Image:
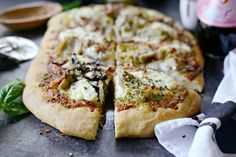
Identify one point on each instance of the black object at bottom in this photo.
(222, 111)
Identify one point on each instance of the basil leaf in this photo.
(11, 91)
(4, 91)
(15, 108)
(1, 104)
(11, 100)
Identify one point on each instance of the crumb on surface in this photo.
(61, 134)
(70, 154)
(47, 130)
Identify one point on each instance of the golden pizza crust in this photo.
(140, 122)
(200, 78)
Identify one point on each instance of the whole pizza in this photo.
(151, 65)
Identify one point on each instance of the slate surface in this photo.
(21, 136)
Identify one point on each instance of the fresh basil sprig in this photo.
(11, 98)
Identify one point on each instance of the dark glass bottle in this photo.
(217, 28)
(216, 42)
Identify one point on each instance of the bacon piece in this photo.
(84, 104)
(54, 84)
(121, 106)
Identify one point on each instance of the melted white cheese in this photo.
(82, 34)
(168, 65)
(84, 59)
(179, 46)
(91, 51)
(163, 27)
(82, 90)
(159, 79)
(155, 32)
(120, 90)
(83, 12)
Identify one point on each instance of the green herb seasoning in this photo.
(150, 94)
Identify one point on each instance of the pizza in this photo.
(150, 63)
(144, 98)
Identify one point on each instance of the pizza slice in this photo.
(68, 96)
(134, 24)
(64, 88)
(89, 32)
(144, 98)
(174, 58)
(149, 26)
(89, 44)
(94, 19)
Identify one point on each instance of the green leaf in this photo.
(71, 5)
(1, 104)
(11, 98)
(11, 91)
(15, 108)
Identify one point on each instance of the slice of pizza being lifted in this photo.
(144, 98)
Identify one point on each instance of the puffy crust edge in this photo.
(140, 122)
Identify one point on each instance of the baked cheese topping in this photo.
(174, 58)
(79, 82)
(81, 34)
(155, 33)
(149, 89)
(100, 37)
(177, 46)
(134, 54)
(82, 90)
